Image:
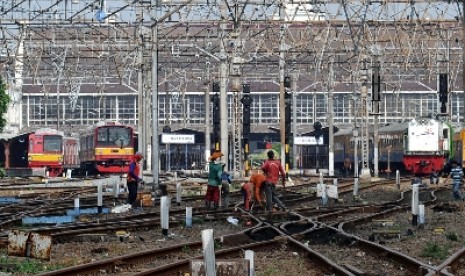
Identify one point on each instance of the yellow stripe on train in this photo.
(114, 151)
(41, 157)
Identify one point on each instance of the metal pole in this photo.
(207, 121)
(330, 122)
(140, 88)
(463, 56)
(294, 119)
(355, 134)
(282, 90)
(155, 160)
(375, 108)
(224, 100)
(376, 141)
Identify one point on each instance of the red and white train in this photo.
(426, 145)
(418, 146)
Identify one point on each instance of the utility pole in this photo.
(207, 119)
(463, 56)
(364, 116)
(330, 120)
(282, 90)
(375, 99)
(140, 90)
(154, 148)
(224, 99)
(294, 119)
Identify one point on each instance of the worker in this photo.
(215, 172)
(273, 171)
(134, 178)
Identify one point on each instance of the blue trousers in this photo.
(456, 191)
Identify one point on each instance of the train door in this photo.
(405, 143)
(18, 151)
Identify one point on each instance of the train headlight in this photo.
(29, 158)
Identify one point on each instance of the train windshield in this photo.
(114, 136)
(53, 143)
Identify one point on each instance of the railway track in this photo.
(310, 232)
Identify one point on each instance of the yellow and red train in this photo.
(42, 148)
(106, 148)
(102, 149)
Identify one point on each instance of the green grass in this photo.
(186, 249)
(270, 271)
(25, 265)
(197, 220)
(435, 251)
(452, 236)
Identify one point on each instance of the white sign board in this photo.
(331, 191)
(177, 138)
(308, 140)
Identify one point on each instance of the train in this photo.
(427, 145)
(390, 148)
(106, 148)
(418, 146)
(42, 148)
(71, 153)
(458, 147)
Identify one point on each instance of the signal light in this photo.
(443, 88)
(216, 87)
(287, 82)
(376, 85)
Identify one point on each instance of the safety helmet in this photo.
(138, 155)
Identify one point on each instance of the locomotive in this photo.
(106, 148)
(426, 145)
(417, 146)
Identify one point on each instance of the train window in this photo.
(114, 136)
(53, 143)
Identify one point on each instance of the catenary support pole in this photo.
(224, 100)
(330, 121)
(282, 89)
(154, 147)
